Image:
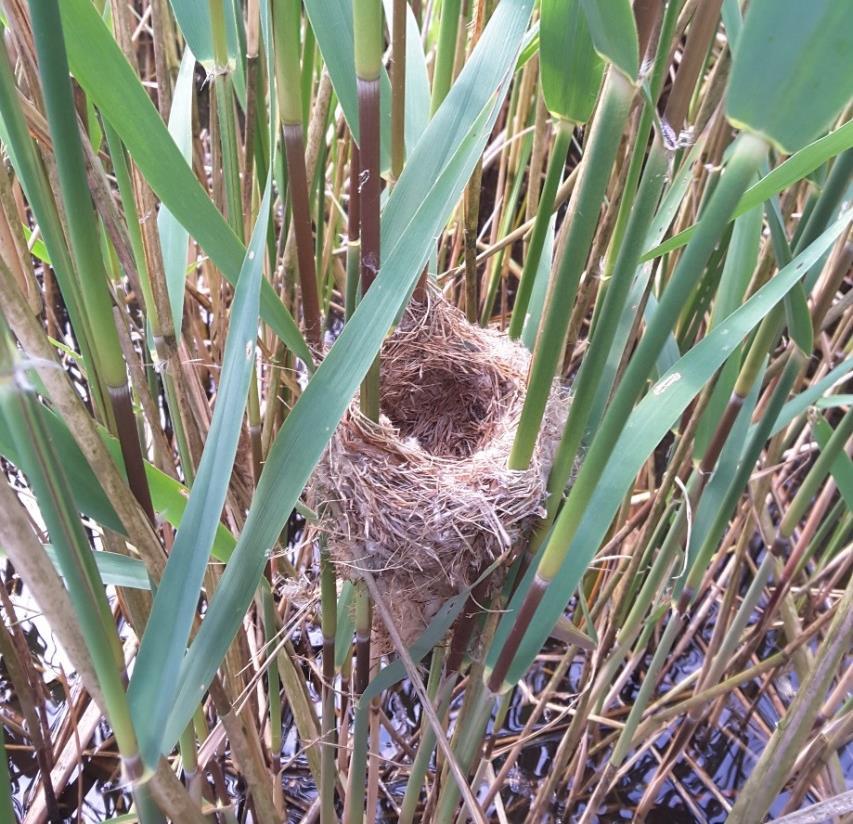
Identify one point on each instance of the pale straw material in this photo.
(423, 499)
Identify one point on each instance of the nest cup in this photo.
(423, 498)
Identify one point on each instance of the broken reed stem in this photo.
(445, 52)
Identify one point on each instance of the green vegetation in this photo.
(217, 222)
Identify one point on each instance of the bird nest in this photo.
(423, 498)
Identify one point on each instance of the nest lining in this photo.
(423, 498)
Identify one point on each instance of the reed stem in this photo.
(596, 167)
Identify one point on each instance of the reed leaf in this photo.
(570, 68)
(114, 569)
(162, 649)
(784, 79)
(614, 33)
(174, 237)
(842, 466)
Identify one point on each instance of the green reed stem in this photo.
(596, 166)
(147, 811)
(353, 262)
(647, 688)
(223, 91)
(83, 231)
(273, 677)
(79, 210)
(466, 744)
(7, 812)
(426, 745)
(358, 766)
(189, 761)
(472, 216)
(635, 166)
(128, 202)
(803, 498)
(556, 164)
(307, 77)
(586, 383)
(753, 449)
(747, 154)
(445, 52)
(368, 63)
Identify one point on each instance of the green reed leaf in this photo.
(791, 69)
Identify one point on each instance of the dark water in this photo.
(94, 790)
(726, 754)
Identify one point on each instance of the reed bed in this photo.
(425, 411)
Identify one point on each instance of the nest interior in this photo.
(423, 498)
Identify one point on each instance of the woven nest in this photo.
(423, 498)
